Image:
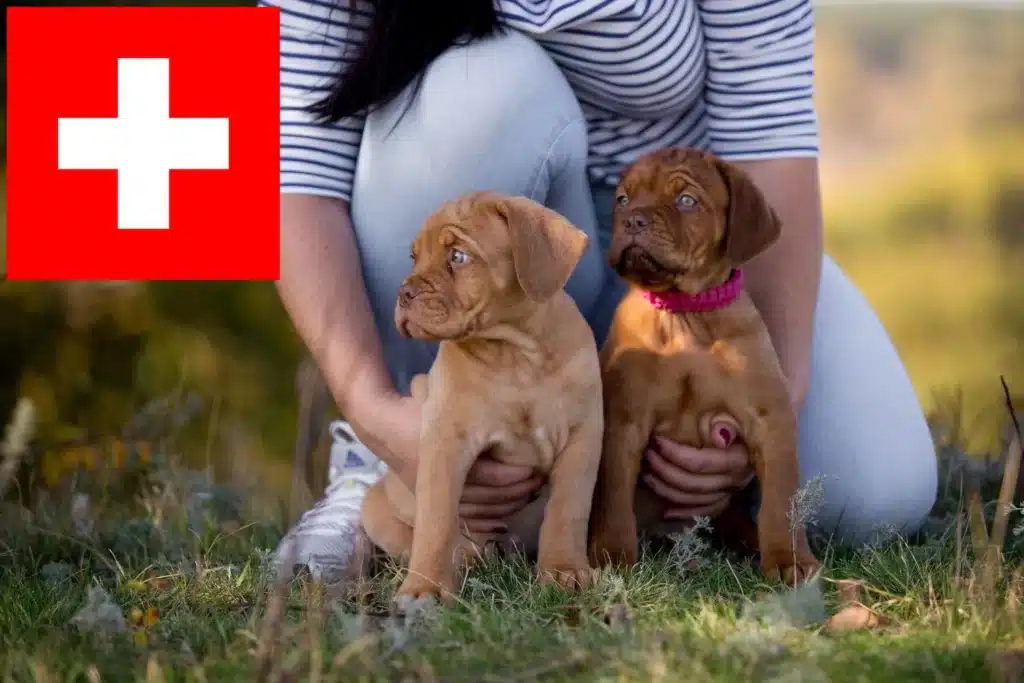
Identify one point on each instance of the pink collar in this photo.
(708, 300)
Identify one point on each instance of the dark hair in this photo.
(403, 38)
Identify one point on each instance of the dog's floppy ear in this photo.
(751, 224)
(545, 246)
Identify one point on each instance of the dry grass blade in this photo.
(266, 651)
(976, 516)
(313, 403)
(154, 672)
(15, 444)
(315, 608)
(849, 590)
(277, 603)
(997, 538)
(313, 399)
(1010, 474)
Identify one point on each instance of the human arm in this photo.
(761, 117)
(321, 284)
(783, 281)
(322, 290)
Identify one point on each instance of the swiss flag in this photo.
(143, 143)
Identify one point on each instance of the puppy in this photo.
(517, 377)
(688, 356)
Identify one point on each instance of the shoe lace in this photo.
(342, 476)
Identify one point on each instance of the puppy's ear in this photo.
(751, 224)
(545, 246)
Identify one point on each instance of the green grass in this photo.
(673, 618)
(188, 594)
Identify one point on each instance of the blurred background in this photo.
(922, 114)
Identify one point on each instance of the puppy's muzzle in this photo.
(407, 293)
(635, 224)
(636, 260)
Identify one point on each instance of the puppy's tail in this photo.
(720, 430)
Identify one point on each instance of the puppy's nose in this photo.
(407, 292)
(636, 223)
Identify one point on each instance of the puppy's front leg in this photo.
(613, 525)
(785, 552)
(441, 475)
(562, 550)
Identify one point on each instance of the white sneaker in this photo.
(323, 540)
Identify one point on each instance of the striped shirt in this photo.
(732, 76)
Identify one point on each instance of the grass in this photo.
(713, 620)
(178, 585)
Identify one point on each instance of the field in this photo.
(166, 598)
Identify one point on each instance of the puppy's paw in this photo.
(568, 575)
(417, 589)
(612, 553)
(792, 568)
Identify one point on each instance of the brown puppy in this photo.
(517, 378)
(688, 353)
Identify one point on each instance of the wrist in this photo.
(798, 383)
(364, 404)
(357, 384)
(371, 408)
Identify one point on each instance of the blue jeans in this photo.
(499, 115)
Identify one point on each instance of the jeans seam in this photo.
(535, 181)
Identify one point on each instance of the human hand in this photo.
(698, 482)
(493, 492)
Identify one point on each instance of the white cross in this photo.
(142, 144)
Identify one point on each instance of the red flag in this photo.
(143, 143)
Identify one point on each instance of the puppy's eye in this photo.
(622, 200)
(686, 202)
(457, 257)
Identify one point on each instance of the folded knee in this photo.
(896, 496)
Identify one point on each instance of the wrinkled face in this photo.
(482, 260)
(670, 222)
(458, 258)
